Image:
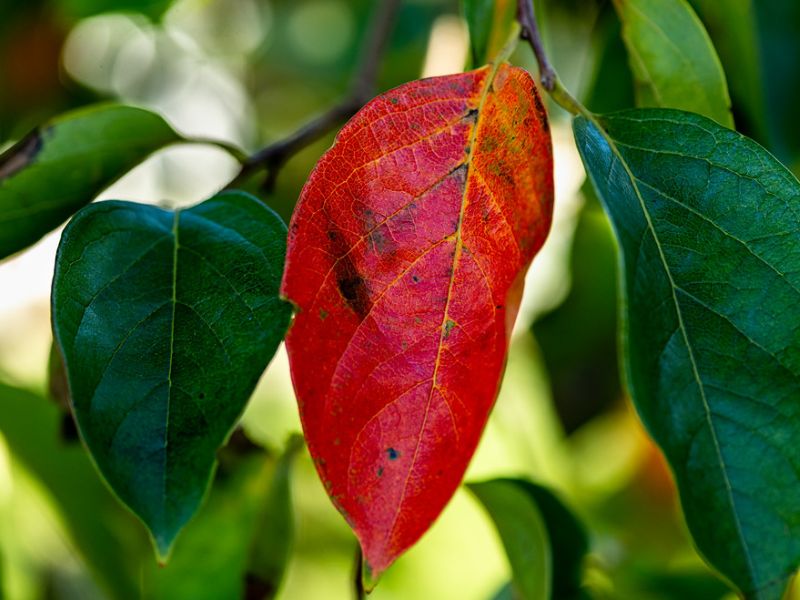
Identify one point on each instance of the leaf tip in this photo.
(369, 577)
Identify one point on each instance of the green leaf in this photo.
(63, 165)
(210, 559)
(272, 543)
(733, 26)
(490, 23)
(81, 9)
(544, 542)
(779, 48)
(708, 225)
(101, 530)
(165, 321)
(673, 61)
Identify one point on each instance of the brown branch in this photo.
(529, 31)
(273, 157)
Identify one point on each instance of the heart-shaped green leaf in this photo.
(709, 227)
(165, 321)
(63, 165)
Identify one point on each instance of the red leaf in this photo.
(406, 259)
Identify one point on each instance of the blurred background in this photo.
(251, 71)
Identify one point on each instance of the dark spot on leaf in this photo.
(415, 279)
(392, 453)
(472, 115)
(332, 235)
(380, 471)
(394, 100)
(499, 307)
(352, 286)
(202, 395)
(337, 442)
(21, 154)
(323, 314)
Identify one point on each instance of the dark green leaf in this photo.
(708, 225)
(274, 535)
(672, 58)
(490, 23)
(166, 321)
(578, 339)
(611, 86)
(544, 542)
(779, 48)
(80, 9)
(58, 168)
(733, 28)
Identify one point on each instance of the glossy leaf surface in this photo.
(708, 226)
(490, 23)
(63, 165)
(673, 60)
(406, 260)
(544, 542)
(166, 321)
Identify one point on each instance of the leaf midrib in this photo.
(174, 300)
(459, 244)
(682, 328)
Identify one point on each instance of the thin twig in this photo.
(273, 157)
(358, 582)
(549, 78)
(526, 15)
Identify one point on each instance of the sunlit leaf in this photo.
(165, 321)
(708, 226)
(406, 259)
(672, 58)
(59, 167)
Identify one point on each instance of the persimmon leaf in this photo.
(406, 260)
(707, 222)
(165, 321)
(672, 58)
(63, 165)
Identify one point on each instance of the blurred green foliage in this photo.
(250, 72)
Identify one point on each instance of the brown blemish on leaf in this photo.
(448, 327)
